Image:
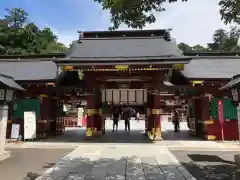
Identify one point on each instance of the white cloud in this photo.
(192, 22)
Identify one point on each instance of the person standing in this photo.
(115, 119)
(127, 123)
(138, 116)
(126, 114)
(176, 120)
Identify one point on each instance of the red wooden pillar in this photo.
(91, 111)
(156, 115)
(149, 120)
(94, 114)
(98, 116)
(209, 127)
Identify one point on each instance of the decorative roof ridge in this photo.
(121, 38)
(213, 57)
(141, 34)
(27, 60)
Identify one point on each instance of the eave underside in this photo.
(85, 61)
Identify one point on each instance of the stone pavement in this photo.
(28, 164)
(118, 163)
(119, 156)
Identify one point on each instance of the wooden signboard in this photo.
(29, 125)
(15, 131)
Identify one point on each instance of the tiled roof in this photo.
(212, 68)
(197, 68)
(9, 81)
(36, 70)
(233, 83)
(124, 47)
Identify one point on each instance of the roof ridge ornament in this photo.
(167, 35)
(81, 36)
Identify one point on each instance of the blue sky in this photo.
(193, 22)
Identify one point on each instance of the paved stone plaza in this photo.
(121, 155)
(121, 161)
(118, 163)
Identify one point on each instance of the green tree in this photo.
(220, 38)
(199, 48)
(185, 47)
(19, 36)
(133, 13)
(138, 13)
(225, 41)
(2, 49)
(191, 49)
(16, 17)
(230, 11)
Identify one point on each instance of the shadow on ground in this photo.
(31, 160)
(77, 135)
(108, 168)
(210, 167)
(121, 169)
(183, 135)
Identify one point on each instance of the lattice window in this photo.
(235, 94)
(116, 96)
(124, 96)
(9, 95)
(131, 96)
(140, 96)
(109, 95)
(2, 94)
(103, 95)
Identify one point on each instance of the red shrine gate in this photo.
(121, 69)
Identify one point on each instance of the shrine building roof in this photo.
(197, 68)
(212, 67)
(29, 70)
(9, 82)
(116, 46)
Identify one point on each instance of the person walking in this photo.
(115, 119)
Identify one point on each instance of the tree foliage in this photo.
(223, 41)
(230, 11)
(133, 13)
(20, 36)
(138, 13)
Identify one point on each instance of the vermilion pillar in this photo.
(94, 114)
(91, 111)
(149, 120)
(156, 115)
(98, 116)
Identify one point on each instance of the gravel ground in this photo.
(27, 164)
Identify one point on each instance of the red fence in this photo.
(72, 121)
